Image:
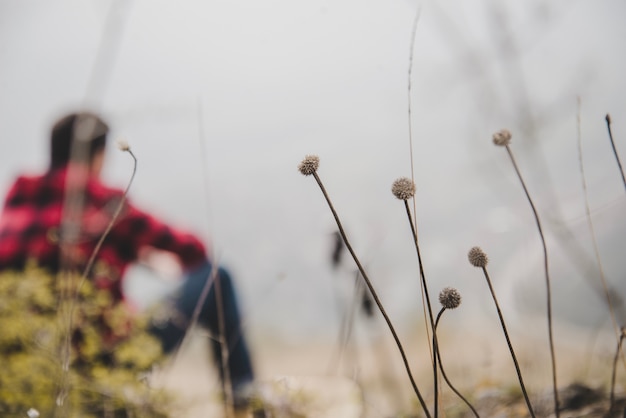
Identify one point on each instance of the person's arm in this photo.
(138, 232)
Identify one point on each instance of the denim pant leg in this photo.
(172, 332)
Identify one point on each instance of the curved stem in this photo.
(619, 163)
(435, 352)
(548, 289)
(508, 341)
(443, 373)
(65, 354)
(374, 295)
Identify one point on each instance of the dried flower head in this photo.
(450, 298)
(309, 165)
(477, 257)
(502, 137)
(608, 118)
(122, 144)
(403, 188)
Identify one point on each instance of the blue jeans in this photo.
(172, 331)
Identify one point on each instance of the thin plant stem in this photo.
(443, 373)
(508, 341)
(591, 227)
(425, 295)
(213, 280)
(548, 287)
(421, 267)
(228, 392)
(374, 295)
(614, 373)
(219, 301)
(418, 14)
(619, 163)
(66, 350)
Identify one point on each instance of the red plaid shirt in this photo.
(30, 224)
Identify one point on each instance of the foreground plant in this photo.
(503, 138)
(68, 305)
(478, 258)
(308, 167)
(404, 189)
(450, 298)
(109, 358)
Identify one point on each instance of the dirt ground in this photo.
(305, 378)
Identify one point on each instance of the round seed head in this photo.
(450, 298)
(309, 165)
(403, 188)
(122, 144)
(477, 257)
(502, 138)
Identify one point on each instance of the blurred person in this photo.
(33, 222)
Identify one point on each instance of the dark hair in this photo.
(84, 130)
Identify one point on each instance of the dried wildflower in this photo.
(502, 138)
(477, 257)
(309, 165)
(450, 298)
(403, 188)
(122, 144)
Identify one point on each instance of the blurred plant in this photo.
(308, 167)
(613, 375)
(479, 259)
(450, 298)
(109, 355)
(619, 163)
(72, 285)
(503, 138)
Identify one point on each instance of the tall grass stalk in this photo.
(449, 300)
(503, 138)
(228, 393)
(418, 14)
(478, 258)
(619, 163)
(592, 231)
(309, 167)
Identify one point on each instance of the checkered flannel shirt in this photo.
(30, 230)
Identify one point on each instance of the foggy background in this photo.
(220, 101)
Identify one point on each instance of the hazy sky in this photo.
(220, 100)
